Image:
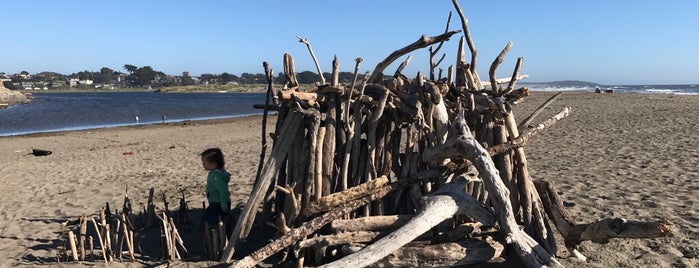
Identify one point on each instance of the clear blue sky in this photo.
(609, 42)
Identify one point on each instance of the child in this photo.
(216, 186)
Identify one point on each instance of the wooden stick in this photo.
(83, 232)
(308, 45)
(99, 237)
(515, 77)
(528, 134)
(176, 236)
(467, 34)
(91, 246)
(543, 106)
(73, 248)
(493, 81)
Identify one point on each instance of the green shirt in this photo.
(217, 186)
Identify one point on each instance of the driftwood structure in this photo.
(387, 171)
(400, 171)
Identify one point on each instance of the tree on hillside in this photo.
(228, 78)
(130, 68)
(107, 75)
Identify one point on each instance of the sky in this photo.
(608, 42)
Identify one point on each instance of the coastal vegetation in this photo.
(145, 78)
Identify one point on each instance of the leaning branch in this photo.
(423, 42)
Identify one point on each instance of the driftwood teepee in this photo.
(430, 170)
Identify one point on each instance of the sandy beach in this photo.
(633, 156)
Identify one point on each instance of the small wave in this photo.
(661, 91)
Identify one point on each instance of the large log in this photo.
(443, 204)
(334, 200)
(599, 231)
(450, 254)
(372, 223)
(462, 144)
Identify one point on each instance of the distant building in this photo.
(185, 73)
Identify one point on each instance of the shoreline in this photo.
(617, 155)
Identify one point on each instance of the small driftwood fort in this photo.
(397, 171)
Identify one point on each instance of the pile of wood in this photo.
(426, 171)
(115, 233)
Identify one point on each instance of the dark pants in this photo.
(214, 212)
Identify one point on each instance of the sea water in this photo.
(688, 89)
(50, 112)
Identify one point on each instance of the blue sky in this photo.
(608, 42)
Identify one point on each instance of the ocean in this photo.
(50, 112)
(688, 89)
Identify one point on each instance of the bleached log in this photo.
(504, 80)
(450, 254)
(462, 144)
(371, 223)
(309, 97)
(599, 231)
(443, 204)
(338, 239)
(334, 200)
(306, 229)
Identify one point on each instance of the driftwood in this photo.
(450, 254)
(371, 223)
(331, 201)
(423, 42)
(306, 229)
(462, 144)
(445, 203)
(599, 231)
(272, 165)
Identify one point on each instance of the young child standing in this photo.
(217, 192)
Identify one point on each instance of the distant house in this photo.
(73, 82)
(86, 82)
(58, 83)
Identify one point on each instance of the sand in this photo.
(617, 155)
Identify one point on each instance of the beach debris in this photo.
(41, 152)
(129, 153)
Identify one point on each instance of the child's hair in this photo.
(214, 155)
